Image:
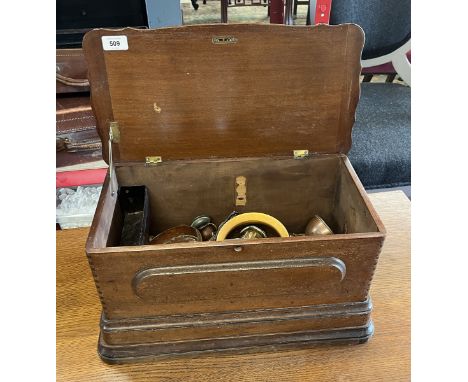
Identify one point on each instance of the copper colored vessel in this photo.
(179, 234)
(208, 231)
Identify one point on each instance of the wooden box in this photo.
(185, 112)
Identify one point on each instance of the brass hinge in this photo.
(151, 161)
(300, 154)
(114, 132)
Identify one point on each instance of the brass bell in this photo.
(317, 226)
(252, 232)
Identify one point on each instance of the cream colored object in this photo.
(251, 218)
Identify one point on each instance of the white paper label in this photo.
(114, 42)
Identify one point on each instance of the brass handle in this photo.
(71, 81)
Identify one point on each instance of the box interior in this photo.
(291, 190)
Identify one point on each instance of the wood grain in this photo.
(386, 357)
(281, 187)
(291, 190)
(176, 94)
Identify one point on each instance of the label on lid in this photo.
(114, 42)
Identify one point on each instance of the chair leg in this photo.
(288, 18)
(367, 77)
(224, 11)
(403, 67)
(390, 77)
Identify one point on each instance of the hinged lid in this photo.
(212, 91)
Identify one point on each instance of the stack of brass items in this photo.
(247, 226)
(203, 224)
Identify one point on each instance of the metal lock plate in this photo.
(151, 161)
(300, 154)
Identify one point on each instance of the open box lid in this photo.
(224, 91)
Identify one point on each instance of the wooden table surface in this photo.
(386, 357)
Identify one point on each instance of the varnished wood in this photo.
(245, 289)
(305, 102)
(235, 326)
(176, 94)
(292, 190)
(386, 357)
(106, 217)
(247, 277)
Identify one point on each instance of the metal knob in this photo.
(200, 221)
(179, 234)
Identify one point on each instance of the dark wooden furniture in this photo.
(386, 357)
(76, 17)
(189, 297)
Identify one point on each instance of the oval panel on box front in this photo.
(229, 281)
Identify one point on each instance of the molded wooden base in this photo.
(147, 352)
(126, 341)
